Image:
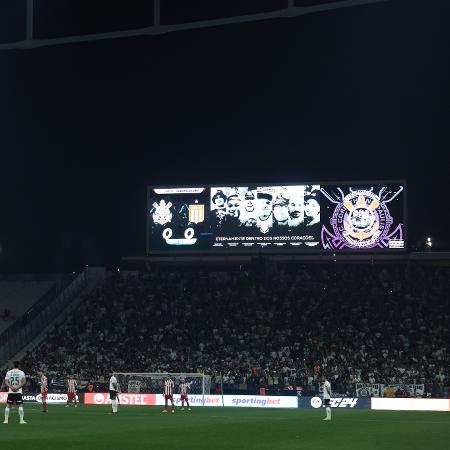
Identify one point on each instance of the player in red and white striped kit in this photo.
(168, 392)
(71, 390)
(44, 390)
(184, 390)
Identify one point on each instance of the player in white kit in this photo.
(15, 379)
(113, 391)
(326, 396)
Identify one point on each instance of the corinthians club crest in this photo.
(162, 214)
(362, 222)
(361, 219)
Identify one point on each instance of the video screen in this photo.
(311, 217)
(253, 216)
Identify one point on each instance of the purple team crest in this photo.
(361, 220)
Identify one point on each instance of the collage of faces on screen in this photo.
(269, 208)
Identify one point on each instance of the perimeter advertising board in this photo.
(335, 402)
(37, 398)
(240, 401)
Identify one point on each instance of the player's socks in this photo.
(328, 412)
(6, 414)
(114, 405)
(21, 414)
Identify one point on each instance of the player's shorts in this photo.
(168, 397)
(14, 399)
(44, 395)
(326, 402)
(184, 397)
(112, 395)
(71, 395)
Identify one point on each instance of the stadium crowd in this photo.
(362, 323)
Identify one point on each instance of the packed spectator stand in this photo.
(262, 328)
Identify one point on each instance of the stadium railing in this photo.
(39, 315)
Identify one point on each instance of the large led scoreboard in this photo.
(358, 217)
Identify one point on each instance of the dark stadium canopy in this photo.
(349, 93)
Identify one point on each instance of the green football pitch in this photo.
(135, 428)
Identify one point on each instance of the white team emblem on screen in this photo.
(162, 214)
(188, 239)
(196, 213)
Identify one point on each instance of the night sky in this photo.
(351, 94)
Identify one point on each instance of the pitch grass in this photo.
(135, 428)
